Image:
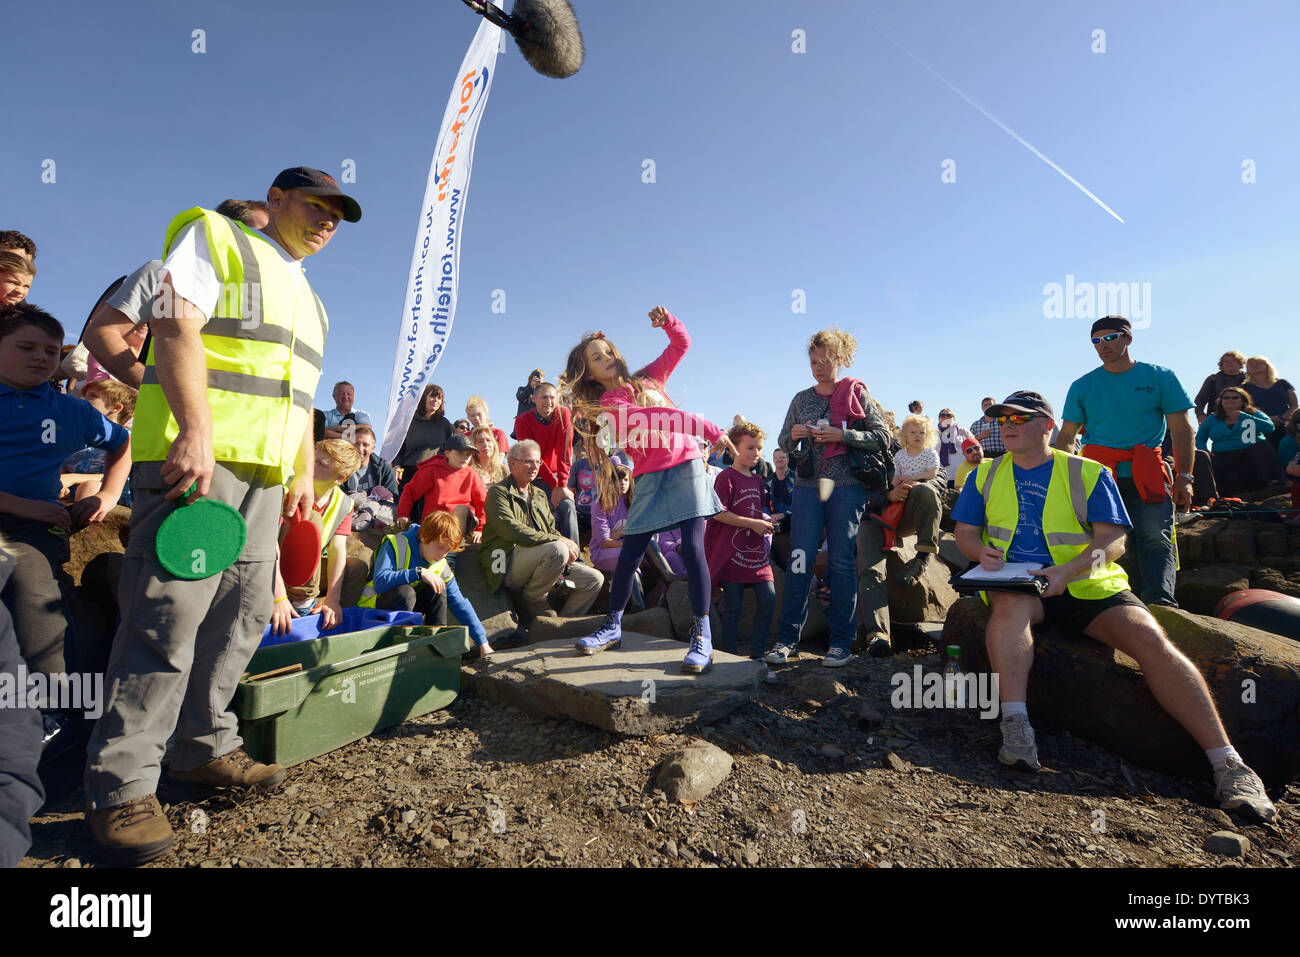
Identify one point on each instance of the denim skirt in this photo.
(665, 499)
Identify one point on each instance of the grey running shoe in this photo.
(837, 658)
(1018, 749)
(1237, 787)
(779, 654)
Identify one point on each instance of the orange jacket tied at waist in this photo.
(1150, 474)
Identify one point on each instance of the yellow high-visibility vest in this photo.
(1065, 516)
(401, 546)
(263, 348)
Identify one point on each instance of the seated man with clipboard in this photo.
(1036, 504)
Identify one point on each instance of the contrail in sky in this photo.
(1012, 133)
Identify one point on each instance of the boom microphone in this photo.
(546, 32)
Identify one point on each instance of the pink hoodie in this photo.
(657, 438)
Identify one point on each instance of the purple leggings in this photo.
(692, 552)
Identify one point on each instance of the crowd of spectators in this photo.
(843, 487)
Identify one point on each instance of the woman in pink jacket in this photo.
(614, 407)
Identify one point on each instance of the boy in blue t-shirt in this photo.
(42, 428)
(1117, 619)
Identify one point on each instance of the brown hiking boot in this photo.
(233, 770)
(127, 835)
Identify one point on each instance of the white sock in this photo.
(1219, 756)
(1010, 708)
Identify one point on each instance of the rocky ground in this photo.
(826, 773)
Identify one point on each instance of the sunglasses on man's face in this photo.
(1018, 419)
(1111, 337)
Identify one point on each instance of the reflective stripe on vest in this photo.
(402, 553)
(263, 348)
(1065, 517)
(334, 513)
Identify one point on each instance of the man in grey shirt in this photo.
(109, 332)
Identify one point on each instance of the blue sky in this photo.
(775, 171)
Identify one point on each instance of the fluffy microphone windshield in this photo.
(548, 36)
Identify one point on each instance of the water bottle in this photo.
(954, 686)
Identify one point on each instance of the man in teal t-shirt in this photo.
(1124, 407)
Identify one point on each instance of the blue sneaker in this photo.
(608, 635)
(700, 658)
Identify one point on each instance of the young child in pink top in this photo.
(614, 407)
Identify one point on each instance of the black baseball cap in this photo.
(1114, 323)
(1026, 403)
(316, 183)
(457, 443)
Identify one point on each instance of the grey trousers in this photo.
(534, 570)
(38, 594)
(182, 645)
(920, 517)
(21, 792)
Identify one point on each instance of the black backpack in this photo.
(874, 468)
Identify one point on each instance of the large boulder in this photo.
(1196, 540)
(492, 608)
(638, 689)
(1199, 590)
(1288, 583)
(688, 774)
(927, 600)
(1099, 694)
(1236, 542)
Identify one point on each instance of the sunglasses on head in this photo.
(1109, 337)
(1017, 419)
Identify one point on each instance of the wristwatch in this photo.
(1187, 475)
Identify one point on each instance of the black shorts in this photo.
(1076, 614)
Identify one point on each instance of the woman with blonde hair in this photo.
(1274, 397)
(488, 461)
(476, 411)
(821, 424)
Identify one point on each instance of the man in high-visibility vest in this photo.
(225, 406)
(1037, 504)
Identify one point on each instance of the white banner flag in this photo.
(435, 262)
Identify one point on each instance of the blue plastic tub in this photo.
(308, 627)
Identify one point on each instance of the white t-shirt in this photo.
(907, 464)
(193, 276)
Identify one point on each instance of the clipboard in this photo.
(1012, 578)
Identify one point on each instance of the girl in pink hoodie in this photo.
(614, 407)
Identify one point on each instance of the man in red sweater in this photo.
(550, 425)
(445, 483)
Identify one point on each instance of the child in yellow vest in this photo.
(411, 573)
(336, 460)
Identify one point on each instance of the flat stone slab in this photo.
(638, 689)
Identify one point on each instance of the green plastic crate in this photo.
(351, 686)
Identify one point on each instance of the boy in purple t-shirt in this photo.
(738, 542)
